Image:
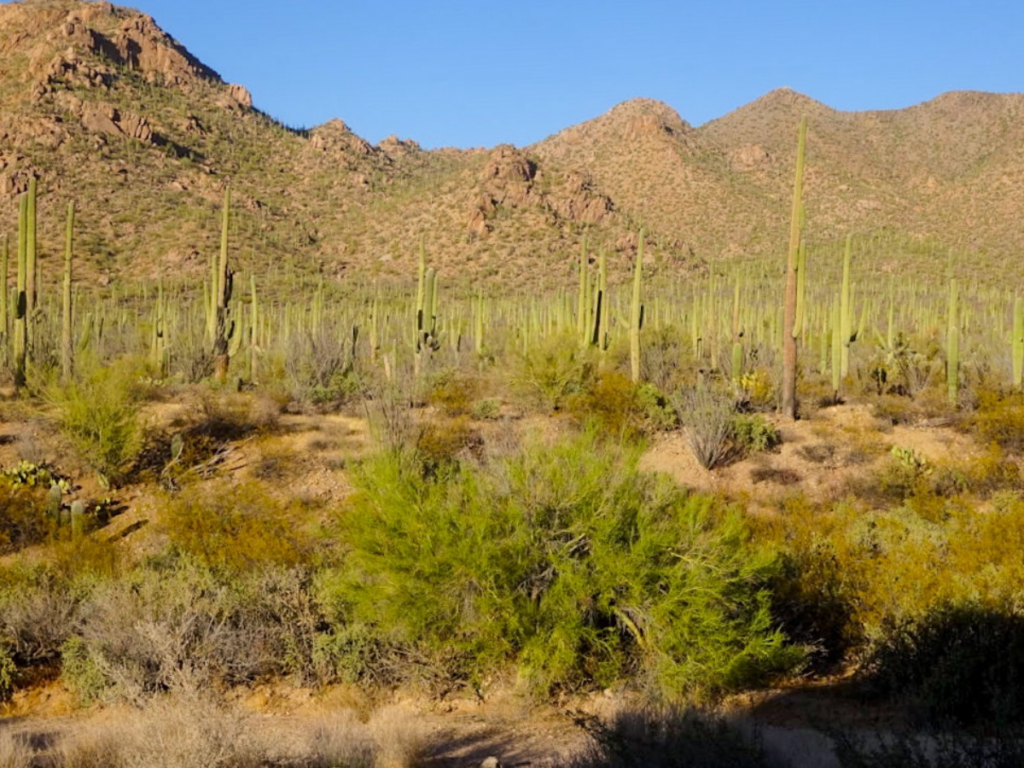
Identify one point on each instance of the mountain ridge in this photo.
(105, 108)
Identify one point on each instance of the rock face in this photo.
(139, 44)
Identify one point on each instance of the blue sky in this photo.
(459, 73)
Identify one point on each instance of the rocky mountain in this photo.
(103, 107)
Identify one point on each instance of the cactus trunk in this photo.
(789, 312)
(66, 347)
(636, 313)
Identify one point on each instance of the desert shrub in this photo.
(645, 737)
(956, 664)
(758, 389)
(566, 561)
(22, 518)
(454, 394)
(237, 527)
(999, 419)
(191, 357)
(621, 407)
(752, 433)
(8, 671)
(441, 445)
(175, 625)
(320, 369)
(716, 432)
(37, 614)
(170, 732)
(815, 593)
(708, 418)
(551, 371)
(99, 414)
(486, 409)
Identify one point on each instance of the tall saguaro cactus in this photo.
(222, 296)
(66, 345)
(846, 311)
(1017, 342)
(20, 304)
(790, 301)
(30, 266)
(5, 324)
(636, 312)
(953, 342)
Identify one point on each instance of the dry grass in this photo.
(14, 752)
(195, 732)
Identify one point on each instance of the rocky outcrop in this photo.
(506, 180)
(103, 118)
(579, 201)
(335, 137)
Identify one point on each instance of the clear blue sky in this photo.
(459, 73)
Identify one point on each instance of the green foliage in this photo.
(99, 414)
(752, 433)
(566, 562)
(236, 527)
(8, 672)
(81, 673)
(999, 419)
(621, 407)
(454, 394)
(22, 518)
(551, 371)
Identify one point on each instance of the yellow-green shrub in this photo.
(236, 526)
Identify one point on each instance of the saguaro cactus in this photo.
(222, 295)
(66, 344)
(20, 304)
(789, 304)
(5, 323)
(846, 311)
(1017, 342)
(30, 267)
(953, 343)
(636, 312)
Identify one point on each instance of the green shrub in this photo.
(999, 419)
(22, 519)
(551, 371)
(99, 414)
(752, 433)
(237, 527)
(565, 561)
(8, 671)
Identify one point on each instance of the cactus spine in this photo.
(66, 346)
(790, 300)
(636, 314)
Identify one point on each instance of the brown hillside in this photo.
(106, 109)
